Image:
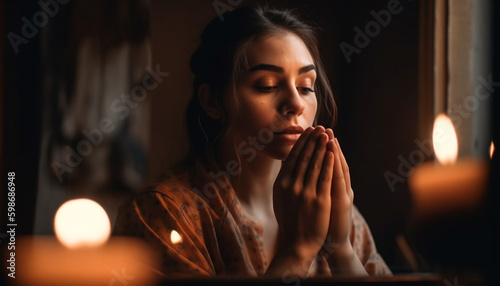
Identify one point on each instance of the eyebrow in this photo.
(273, 68)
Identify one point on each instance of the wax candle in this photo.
(83, 254)
(448, 186)
(446, 224)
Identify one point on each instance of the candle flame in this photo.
(492, 149)
(444, 139)
(175, 237)
(81, 222)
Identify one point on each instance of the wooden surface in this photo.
(423, 279)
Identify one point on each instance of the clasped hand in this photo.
(313, 196)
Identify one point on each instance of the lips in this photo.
(291, 130)
(290, 134)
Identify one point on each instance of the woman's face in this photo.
(276, 99)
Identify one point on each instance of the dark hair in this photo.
(221, 60)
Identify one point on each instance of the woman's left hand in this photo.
(342, 197)
(340, 254)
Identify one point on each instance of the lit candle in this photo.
(73, 229)
(492, 149)
(448, 186)
(175, 237)
(84, 255)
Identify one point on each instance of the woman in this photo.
(263, 192)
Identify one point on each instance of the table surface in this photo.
(413, 279)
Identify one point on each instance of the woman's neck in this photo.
(254, 183)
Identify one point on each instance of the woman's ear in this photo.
(209, 103)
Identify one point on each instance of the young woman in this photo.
(266, 189)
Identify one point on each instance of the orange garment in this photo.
(219, 237)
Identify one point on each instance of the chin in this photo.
(279, 153)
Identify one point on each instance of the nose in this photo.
(292, 103)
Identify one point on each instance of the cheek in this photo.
(312, 109)
(252, 114)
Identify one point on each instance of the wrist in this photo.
(290, 262)
(340, 255)
(297, 252)
(344, 260)
(339, 252)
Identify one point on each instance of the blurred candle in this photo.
(73, 229)
(444, 140)
(84, 255)
(175, 237)
(448, 186)
(492, 149)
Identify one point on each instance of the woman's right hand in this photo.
(302, 198)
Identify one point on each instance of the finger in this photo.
(339, 184)
(330, 146)
(325, 178)
(345, 169)
(316, 163)
(291, 161)
(305, 156)
(331, 136)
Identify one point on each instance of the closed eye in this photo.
(266, 89)
(305, 90)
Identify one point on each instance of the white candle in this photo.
(81, 223)
(84, 255)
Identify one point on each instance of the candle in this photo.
(83, 254)
(175, 237)
(448, 186)
(446, 225)
(492, 149)
(73, 229)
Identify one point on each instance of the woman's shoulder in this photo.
(186, 193)
(177, 186)
(172, 199)
(184, 185)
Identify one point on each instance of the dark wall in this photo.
(378, 100)
(21, 116)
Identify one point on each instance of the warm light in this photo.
(81, 222)
(175, 237)
(492, 149)
(444, 139)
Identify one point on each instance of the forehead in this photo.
(284, 50)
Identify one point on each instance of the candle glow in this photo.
(492, 149)
(175, 237)
(444, 140)
(81, 222)
(451, 187)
